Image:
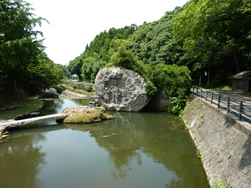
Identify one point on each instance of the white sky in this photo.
(75, 23)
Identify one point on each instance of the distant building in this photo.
(241, 82)
(74, 77)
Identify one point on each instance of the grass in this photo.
(23, 106)
(220, 184)
(224, 88)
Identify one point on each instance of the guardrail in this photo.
(237, 107)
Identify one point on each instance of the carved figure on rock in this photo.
(121, 89)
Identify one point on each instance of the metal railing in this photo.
(235, 105)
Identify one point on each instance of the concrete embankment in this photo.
(224, 147)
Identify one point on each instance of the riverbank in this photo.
(225, 150)
(72, 94)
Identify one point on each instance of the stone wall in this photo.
(225, 150)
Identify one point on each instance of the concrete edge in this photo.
(243, 126)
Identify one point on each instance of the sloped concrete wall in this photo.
(225, 149)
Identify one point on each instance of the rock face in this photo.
(121, 89)
(161, 102)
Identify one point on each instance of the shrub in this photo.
(59, 88)
(75, 86)
(150, 89)
(174, 80)
(220, 184)
(88, 88)
(125, 58)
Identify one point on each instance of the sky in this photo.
(75, 23)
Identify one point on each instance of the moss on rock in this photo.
(89, 116)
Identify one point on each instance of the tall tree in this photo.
(18, 44)
(216, 35)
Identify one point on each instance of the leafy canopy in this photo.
(22, 60)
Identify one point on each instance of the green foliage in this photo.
(174, 80)
(59, 88)
(198, 153)
(89, 88)
(150, 89)
(216, 36)
(125, 58)
(23, 61)
(220, 184)
(90, 67)
(44, 74)
(98, 53)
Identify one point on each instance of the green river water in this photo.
(134, 150)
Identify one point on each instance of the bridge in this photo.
(21, 123)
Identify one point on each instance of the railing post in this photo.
(212, 97)
(206, 95)
(197, 91)
(240, 110)
(228, 104)
(219, 97)
(201, 93)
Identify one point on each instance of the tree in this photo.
(216, 35)
(18, 44)
(124, 57)
(174, 80)
(45, 74)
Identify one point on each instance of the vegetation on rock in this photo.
(87, 117)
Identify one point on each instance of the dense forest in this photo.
(23, 62)
(208, 40)
(204, 40)
(212, 38)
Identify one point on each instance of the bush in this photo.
(49, 95)
(75, 86)
(220, 184)
(150, 89)
(88, 88)
(59, 89)
(174, 80)
(125, 58)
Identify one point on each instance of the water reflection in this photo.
(133, 138)
(132, 150)
(21, 161)
(57, 106)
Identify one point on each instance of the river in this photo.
(146, 149)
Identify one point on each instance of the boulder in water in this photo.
(121, 89)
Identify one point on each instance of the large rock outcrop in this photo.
(121, 89)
